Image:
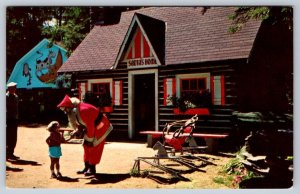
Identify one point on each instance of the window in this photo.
(100, 88)
(191, 86)
(194, 90)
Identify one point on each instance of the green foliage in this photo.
(233, 172)
(193, 100)
(101, 100)
(23, 31)
(181, 103)
(134, 172)
(104, 100)
(27, 26)
(69, 27)
(290, 158)
(272, 14)
(232, 166)
(219, 180)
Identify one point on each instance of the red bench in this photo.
(210, 139)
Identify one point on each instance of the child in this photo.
(54, 141)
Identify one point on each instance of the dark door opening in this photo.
(144, 103)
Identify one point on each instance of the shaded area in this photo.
(24, 162)
(267, 149)
(13, 169)
(101, 178)
(185, 164)
(222, 154)
(67, 179)
(166, 181)
(264, 183)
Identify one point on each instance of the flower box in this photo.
(106, 109)
(192, 111)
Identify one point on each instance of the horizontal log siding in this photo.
(119, 116)
(220, 119)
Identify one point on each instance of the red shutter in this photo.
(169, 89)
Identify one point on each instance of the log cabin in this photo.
(155, 54)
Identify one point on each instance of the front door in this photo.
(144, 103)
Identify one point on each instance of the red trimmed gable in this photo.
(139, 47)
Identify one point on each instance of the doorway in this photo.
(144, 103)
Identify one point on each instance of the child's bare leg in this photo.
(57, 167)
(52, 164)
(52, 167)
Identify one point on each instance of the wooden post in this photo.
(212, 145)
(149, 141)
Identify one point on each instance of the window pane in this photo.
(185, 84)
(95, 88)
(201, 84)
(102, 89)
(107, 88)
(193, 85)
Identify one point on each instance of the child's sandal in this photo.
(53, 176)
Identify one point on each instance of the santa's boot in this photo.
(91, 171)
(86, 168)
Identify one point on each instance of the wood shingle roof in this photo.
(190, 37)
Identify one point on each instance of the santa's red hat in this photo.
(66, 102)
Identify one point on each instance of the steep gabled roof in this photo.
(147, 29)
(155, 31)
(190, 37)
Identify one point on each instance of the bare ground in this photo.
(32, 170)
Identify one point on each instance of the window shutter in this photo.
(82, 89)
(169, 89)
(218, 90)
(117, 93)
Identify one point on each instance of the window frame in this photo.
(101, 81)
(180, 77)
(98, 85)
(189, 90)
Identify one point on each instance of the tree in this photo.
(273, 14)
(278, 21)
(23, 31)
(27, 26)
(68, 26)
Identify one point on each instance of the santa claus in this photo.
(86, 118)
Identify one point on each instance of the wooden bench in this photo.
(210, 139)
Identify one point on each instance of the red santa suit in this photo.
(96, 124)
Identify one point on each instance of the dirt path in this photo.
(32, 171)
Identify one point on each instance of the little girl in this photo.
(54, 141)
